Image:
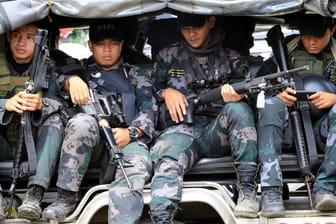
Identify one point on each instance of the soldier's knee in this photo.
(237, 107)
(82, 122)
(273, 113)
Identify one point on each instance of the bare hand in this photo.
(78, 90)
(176, 104)
(121, 136)
(287, 96)
(22, 101)
(323, 100)
(229, 95)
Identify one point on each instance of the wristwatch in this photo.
(133, 133)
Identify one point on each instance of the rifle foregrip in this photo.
(211, 96)
(300, 144)
(241, 87)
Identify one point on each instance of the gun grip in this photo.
(189, 119)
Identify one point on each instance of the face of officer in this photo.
(197, 37)
(21, 43)
(314, 45)
(106, 52)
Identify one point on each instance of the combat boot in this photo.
(64, 204)
(247, 203)
(324, 200)
(30, 208)
(272, 202)
(163, 216)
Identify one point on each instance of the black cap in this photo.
(314, 25)
(185, 19)
(105, 29)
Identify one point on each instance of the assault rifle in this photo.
(105, 109)
(37, 80)
(250, 86)
(303, 134)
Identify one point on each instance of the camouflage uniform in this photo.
(271, 142)
(49, 128)
(50, 134)
(219, 128)
(82, 145)
(276, 133)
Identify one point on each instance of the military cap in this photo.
(184, 19)
(105, 29)
(314, 25)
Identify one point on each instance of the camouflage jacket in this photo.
(178, 66)
(140, 87)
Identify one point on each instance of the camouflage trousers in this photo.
(274, 133)
(82, 148)
(126, 206)
(325, 133)
(174, 153)
(232, 132)
(48, 144)
(48, 147)
(81, 136)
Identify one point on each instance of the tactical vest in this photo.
(107, 85)
(9, 83)
(300, 57)
(317, 66)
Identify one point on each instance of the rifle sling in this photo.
(30, 144)
(307, 125)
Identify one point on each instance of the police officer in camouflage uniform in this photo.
(225, 127)
(14, 73)
(316, 48)
(70, 86)
(108, 75)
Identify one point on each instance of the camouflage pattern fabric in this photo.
(81, 135)
(273, 123)
(217, 125)
(49, 130)
(138, 169)
(50, 134)
(82, 144)
(325, 132)
(173, 155)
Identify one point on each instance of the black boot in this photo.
(272, 202)
(30, 208)
(64, 204)
(247, 203)
(163, 216)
